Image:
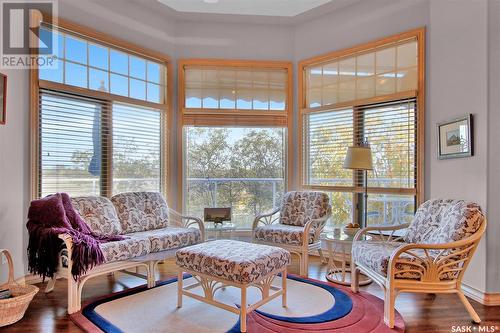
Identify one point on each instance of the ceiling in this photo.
(280, 8)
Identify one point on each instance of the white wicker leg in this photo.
(243, 310)
(389, 298)
(322, 257)
(179, 289)
(151, 274)
(305, 254)
(51, 284)
(73, 305)
(354, 277)
(283, 287)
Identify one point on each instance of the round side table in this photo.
(340, 244)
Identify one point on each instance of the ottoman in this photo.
(217, 264)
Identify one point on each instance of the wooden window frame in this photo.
(419, 95)
(36, 85)
(233, 117)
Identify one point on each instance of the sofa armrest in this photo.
(185, 221)
(383, 236)
(266, 218)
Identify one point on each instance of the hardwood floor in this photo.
(422, 312)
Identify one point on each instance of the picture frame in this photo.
(217, 215)
(455, 138)
(3, 98)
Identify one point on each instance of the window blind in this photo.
(213, 87)
(94, 147)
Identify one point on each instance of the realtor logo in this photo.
(23, 42)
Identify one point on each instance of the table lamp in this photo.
(360, 158)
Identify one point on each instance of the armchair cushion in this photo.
(299, 207)
(169, 238)
(282, 234)
(99, 213)
(440, 221)
(375, 255)
(141, 211)
(125, 249)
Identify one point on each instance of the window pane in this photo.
(386, 84)
(390, 130)
(365, 65)
(227, 100)
(52, 73)
(138, 68)
(390, 209)
(155, 93)
(327, 136)
(119, 62)
(407, 55)
(137, 89)
(98, 56)
(365, 87)
(136, 149)
(70, 145)
(242, 168)
(76, 49)
(119, 84)
(98, 80)
(75, 75)
(193, 98)
(244, 90)
(341, 210)
(407, 79)
(57, 46)
(154, 73)
(347, 69)
(386, 60)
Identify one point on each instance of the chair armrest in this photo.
(436, 260)
(68, 241)
(318, 224)
(381, 228)
(185, 221)
(265, 218)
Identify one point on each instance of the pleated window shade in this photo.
(95, 147)
(211, 87)
(385, 70)
(389, 128)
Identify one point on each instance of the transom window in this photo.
(86, 63)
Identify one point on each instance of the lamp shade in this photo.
(358, 158)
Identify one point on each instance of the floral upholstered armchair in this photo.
(296, 226)
(431, 257)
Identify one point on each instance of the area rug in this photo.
(313, 306)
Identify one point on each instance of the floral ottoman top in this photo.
(235, 261)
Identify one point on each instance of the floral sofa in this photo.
(152, 232)
(431, 257)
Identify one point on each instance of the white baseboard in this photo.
(488, 299)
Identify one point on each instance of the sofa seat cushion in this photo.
(375, 256)
(99, 213)
(282, 234)
(141, 211)
(128, 248)
(170, 238)
(234, 261)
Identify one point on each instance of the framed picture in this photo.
(217, 215)
(455, 138)
(3, 98)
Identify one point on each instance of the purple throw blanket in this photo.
(47, 219)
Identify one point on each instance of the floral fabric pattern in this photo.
(234, 261)
(169, 238)
(442, 221)
(99, 213)
(141, 211)
(299, 207)
(376, 255)
(125, 249)
(282, 234)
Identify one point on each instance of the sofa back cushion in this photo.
(99, 213)
(440, 221)
(299, 207)
(141, 211)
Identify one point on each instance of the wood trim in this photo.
(103, 38)
(419, 35)
(488, 299)
(224, 117)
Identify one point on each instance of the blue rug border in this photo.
(341, 307)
